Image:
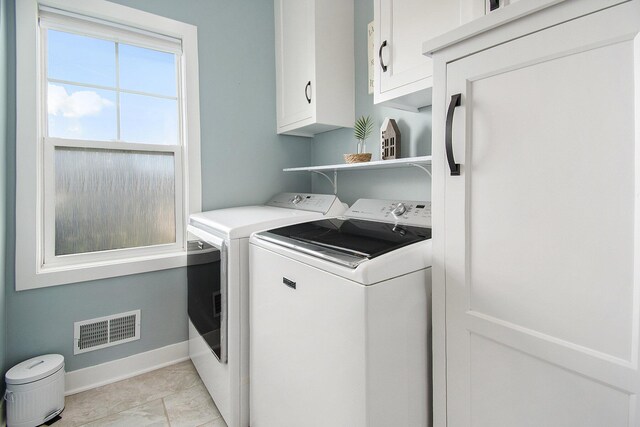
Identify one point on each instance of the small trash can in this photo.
(35, 391)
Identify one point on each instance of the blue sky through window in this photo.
(146, 70)
(77, 112)
(148, 119)
(88, 109)
(81, 59)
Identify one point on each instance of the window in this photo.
(112, 150)
(112, 158)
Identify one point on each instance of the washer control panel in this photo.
(395, 211)
(304, 201)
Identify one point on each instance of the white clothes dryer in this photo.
(340, 319)
(218, 290)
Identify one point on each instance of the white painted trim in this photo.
(121, 369)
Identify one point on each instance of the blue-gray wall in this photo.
(242, 159)
(415, 128)
(3, 159)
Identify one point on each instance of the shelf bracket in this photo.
(334, 181)
(421, 167)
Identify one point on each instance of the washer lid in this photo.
(34, 369)
(346, 241)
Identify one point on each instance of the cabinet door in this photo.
(295, 26)
(542, 242)
(402, 27)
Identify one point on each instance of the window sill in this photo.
(62, 275)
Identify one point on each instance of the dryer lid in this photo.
(281, 209)
(235, 223)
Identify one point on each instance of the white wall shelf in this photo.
(378, 164)
(421, 162)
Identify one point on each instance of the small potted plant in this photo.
(361, 130)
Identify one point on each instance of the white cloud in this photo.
(79, 104)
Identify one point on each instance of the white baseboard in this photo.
(117, 370)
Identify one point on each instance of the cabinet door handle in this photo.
(306, 91)
(494, 4)
(382, 46)
(290, 283)
(448, 136)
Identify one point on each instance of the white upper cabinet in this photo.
(403, 76)
(314, 66)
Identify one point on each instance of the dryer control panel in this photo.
(405, 212)
(305, 201)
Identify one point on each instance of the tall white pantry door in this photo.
(542, 237)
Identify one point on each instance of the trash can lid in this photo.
(34, 369)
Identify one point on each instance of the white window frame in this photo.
(33, 268)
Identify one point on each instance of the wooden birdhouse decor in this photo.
(389, 140)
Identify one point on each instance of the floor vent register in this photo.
(94, 334)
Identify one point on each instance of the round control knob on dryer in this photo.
(399, 209)
(296, 199)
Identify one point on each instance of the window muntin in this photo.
(112, 141)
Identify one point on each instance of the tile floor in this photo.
(173, 396)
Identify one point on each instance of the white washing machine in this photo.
(218, 291)
(340, 319)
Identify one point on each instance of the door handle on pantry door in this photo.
(448, 136)
(384, 67)
(494, 4)
(306, 91)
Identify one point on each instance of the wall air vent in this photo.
(94, 334)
